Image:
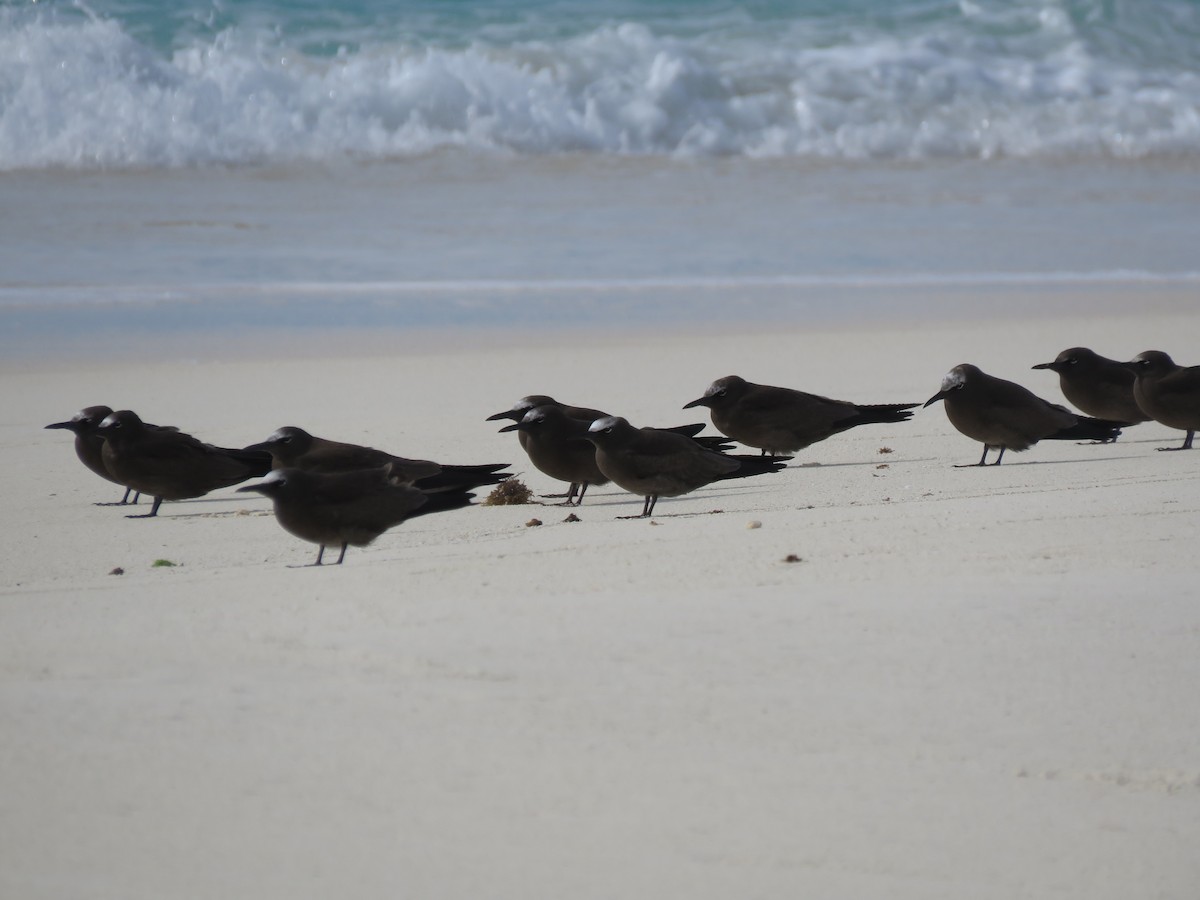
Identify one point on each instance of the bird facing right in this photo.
(1007, 416)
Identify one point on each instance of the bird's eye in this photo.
(1072, 361)
(285, 440)
(116, 424)
(608, 430)
(721, 392)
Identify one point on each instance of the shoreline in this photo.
(161, 331)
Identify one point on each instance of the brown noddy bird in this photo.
(1098, 386)
(557, 446)
(1168, 393)
(172, 465)
(89, 445)
(1004, 415)
(294, 448)
(780, 420)
(351, 507)
(657, 463)
(557, 438)
(518, 410)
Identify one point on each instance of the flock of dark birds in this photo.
(332, 493)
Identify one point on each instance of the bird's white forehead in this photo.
(952, 379)
(273, 477)
(276, 435)
(109, 420)
(533, 415)
(601, 424)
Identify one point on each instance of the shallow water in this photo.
(459, 241)
(405, 164)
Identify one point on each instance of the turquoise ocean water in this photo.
(478, 161)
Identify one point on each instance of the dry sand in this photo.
(972, 683)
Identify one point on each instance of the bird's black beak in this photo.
(1050, 365)
(507, 414)
(515, 426)
(256, 488)
(264, 447)
(702, 401)
(69, 425)
(940, 395)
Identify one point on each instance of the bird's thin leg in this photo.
(982, 460)
(570, 495)
(341, 555)
(647, 508)
(124, 501)
(153, 510)
(583, 486)
(320, 555)
(571, 500)
(1000, 457)
(1187, 443)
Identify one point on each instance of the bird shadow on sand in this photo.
(1045, 462)
(187, 509)
(631, 501)
(872, 463)
(1158, 440)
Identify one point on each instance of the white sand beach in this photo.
(971, 683)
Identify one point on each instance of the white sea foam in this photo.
(84, 93)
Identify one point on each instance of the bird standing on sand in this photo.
(555, 437)
(558, 446)
(1168, 393)
(349, 508)
(294, 448)
(1004, 415)
(654, 463)
(1097, 385)
(89, 444)
(517, 411)
(781, 420)
(171, 465)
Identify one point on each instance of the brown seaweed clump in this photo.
(510, 492)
